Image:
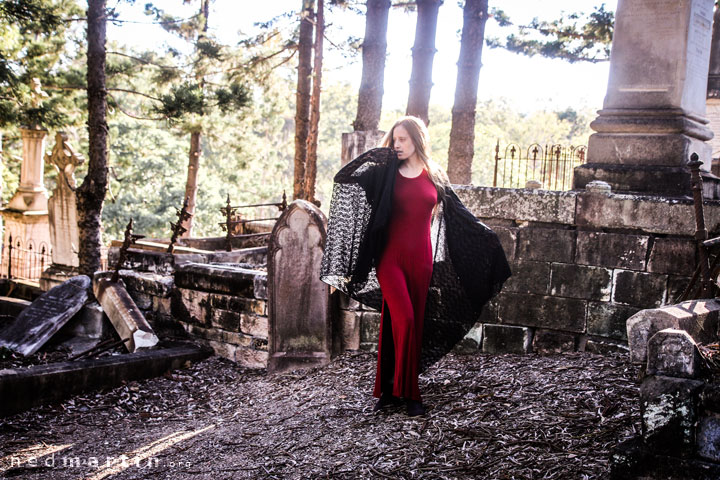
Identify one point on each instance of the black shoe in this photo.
(385, 400)
(415, 408)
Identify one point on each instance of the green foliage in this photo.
(574, 37)
(33, 39)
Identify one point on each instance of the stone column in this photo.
(31, 194)
(712, 104)
(653, 116)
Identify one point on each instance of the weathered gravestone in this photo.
(298, 308)
(62, 214)
(38, 322)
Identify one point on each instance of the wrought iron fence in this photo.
(552, 165)
(24, 262)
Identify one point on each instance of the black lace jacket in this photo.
(469, 264)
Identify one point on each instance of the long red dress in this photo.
(404, 274)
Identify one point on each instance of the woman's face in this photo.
(402, 143)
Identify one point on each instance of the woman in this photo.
(385, 204)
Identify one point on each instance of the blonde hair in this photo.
(421, 141)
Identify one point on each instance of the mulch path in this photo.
(490, 417)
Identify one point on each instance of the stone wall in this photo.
(583, 262)
(220, 304)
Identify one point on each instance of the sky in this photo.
(529, 84)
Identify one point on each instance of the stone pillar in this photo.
(62, 214)
(300, 329)
(25, 216)
(356, 143)
(31, 194)
(712, 104)
(653, 116)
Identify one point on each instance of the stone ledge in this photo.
(24, 388)
(228, 279)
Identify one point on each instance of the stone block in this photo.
(673, 256)
(251, 358)
(259, 343)
(615, 250)
(609, 319)
(90, 322)
(697, 317)
(600, 347)
(147, 282)
(250, 255)
(580, 281)
(255, 325)
(350, 327)
(196, 306)
(708, 437)
(546, 244)
(225, 319)
(226, 279)
(649, 213)
(669, 414)
(369, 327)
(518, 204)
(528, 277)
(221, 349)
(673, 353)
(547, 342)
(645, 290)
(506, 339)
(508, 240)
(218, 335)
(554, 313)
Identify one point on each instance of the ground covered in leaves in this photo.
(491, 417)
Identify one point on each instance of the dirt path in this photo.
(492, 417)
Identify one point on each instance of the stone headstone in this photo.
(62, 206)
(653, 116)
(673, 353)
(124, 315)
(298, 302)
(45, 316)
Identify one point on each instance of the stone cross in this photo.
(300, 331)
(62, 206)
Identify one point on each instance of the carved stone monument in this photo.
(653, 116)
(26, 216)
(300, 329)
(62, 214)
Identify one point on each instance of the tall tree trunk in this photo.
(713, 87)
(302, 102)
(191, 184)
(462, 132)
(423, 53)
(312, 143)
(91, 193)
(374, 48)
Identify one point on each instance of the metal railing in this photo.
(24, 262)
(234, 224)
(552, 165)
